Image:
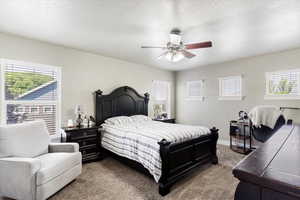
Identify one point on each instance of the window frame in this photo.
(269, 96)
(169, 96)
(195, 98)
(223, 97)
(5, 102)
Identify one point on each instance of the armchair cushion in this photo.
(55, 164)
(63, 147)
(17, 177)
(29, 139)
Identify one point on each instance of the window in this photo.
(161, 93)
(230, 88)
(283, 84)
(195, 90)
(30, 92)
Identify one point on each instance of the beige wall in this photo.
(213, 112)
(83, 72)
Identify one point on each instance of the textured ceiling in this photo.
(117, 28)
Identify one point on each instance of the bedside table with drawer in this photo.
(88, 139)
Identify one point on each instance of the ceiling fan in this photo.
(176, 50)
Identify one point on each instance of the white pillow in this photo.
(118, 120)
(140, 118)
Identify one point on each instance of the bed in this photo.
(165, 151)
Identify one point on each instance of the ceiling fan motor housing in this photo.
(176, 31)
(175, 47)
(175, 37)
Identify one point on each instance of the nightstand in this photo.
(88, 139)
(169, 120)
(240, 133)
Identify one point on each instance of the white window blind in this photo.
(160, 90)
(230, 88)
(283, 84)
(30, 92)
(195, 90)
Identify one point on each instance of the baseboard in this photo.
(224, 142)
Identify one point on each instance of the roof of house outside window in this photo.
(46, 91)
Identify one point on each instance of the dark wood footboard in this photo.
(180, 158)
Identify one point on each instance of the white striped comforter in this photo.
(138, 140)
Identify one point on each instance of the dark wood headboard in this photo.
(123, 101)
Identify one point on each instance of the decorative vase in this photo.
(79, 121)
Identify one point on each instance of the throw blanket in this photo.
(138, 140)
(265, 115)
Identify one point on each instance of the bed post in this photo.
(214, 135)
(146, 99)
(164, 188)
(98, 108)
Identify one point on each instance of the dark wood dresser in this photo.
(88, 140)
(169, 120)
(272, 172)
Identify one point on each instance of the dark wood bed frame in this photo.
(177, 158)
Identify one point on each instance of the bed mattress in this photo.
(138, 141)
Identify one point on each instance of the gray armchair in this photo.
(32, 168)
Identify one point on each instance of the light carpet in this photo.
(111, 180)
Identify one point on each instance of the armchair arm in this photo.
(63, 147)
(17, 177)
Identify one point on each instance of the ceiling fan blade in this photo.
(156, 47)
(162, 55)
(198, 45)
(187, 54)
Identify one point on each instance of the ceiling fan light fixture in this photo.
(176, 50)
(178, 56)
(169, 56)
(174, 56)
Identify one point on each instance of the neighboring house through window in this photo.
(20, 110)
(47, 109)
(30, 92)
(230, 88)
(34, 110)
(283, 84)
(161, 96)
